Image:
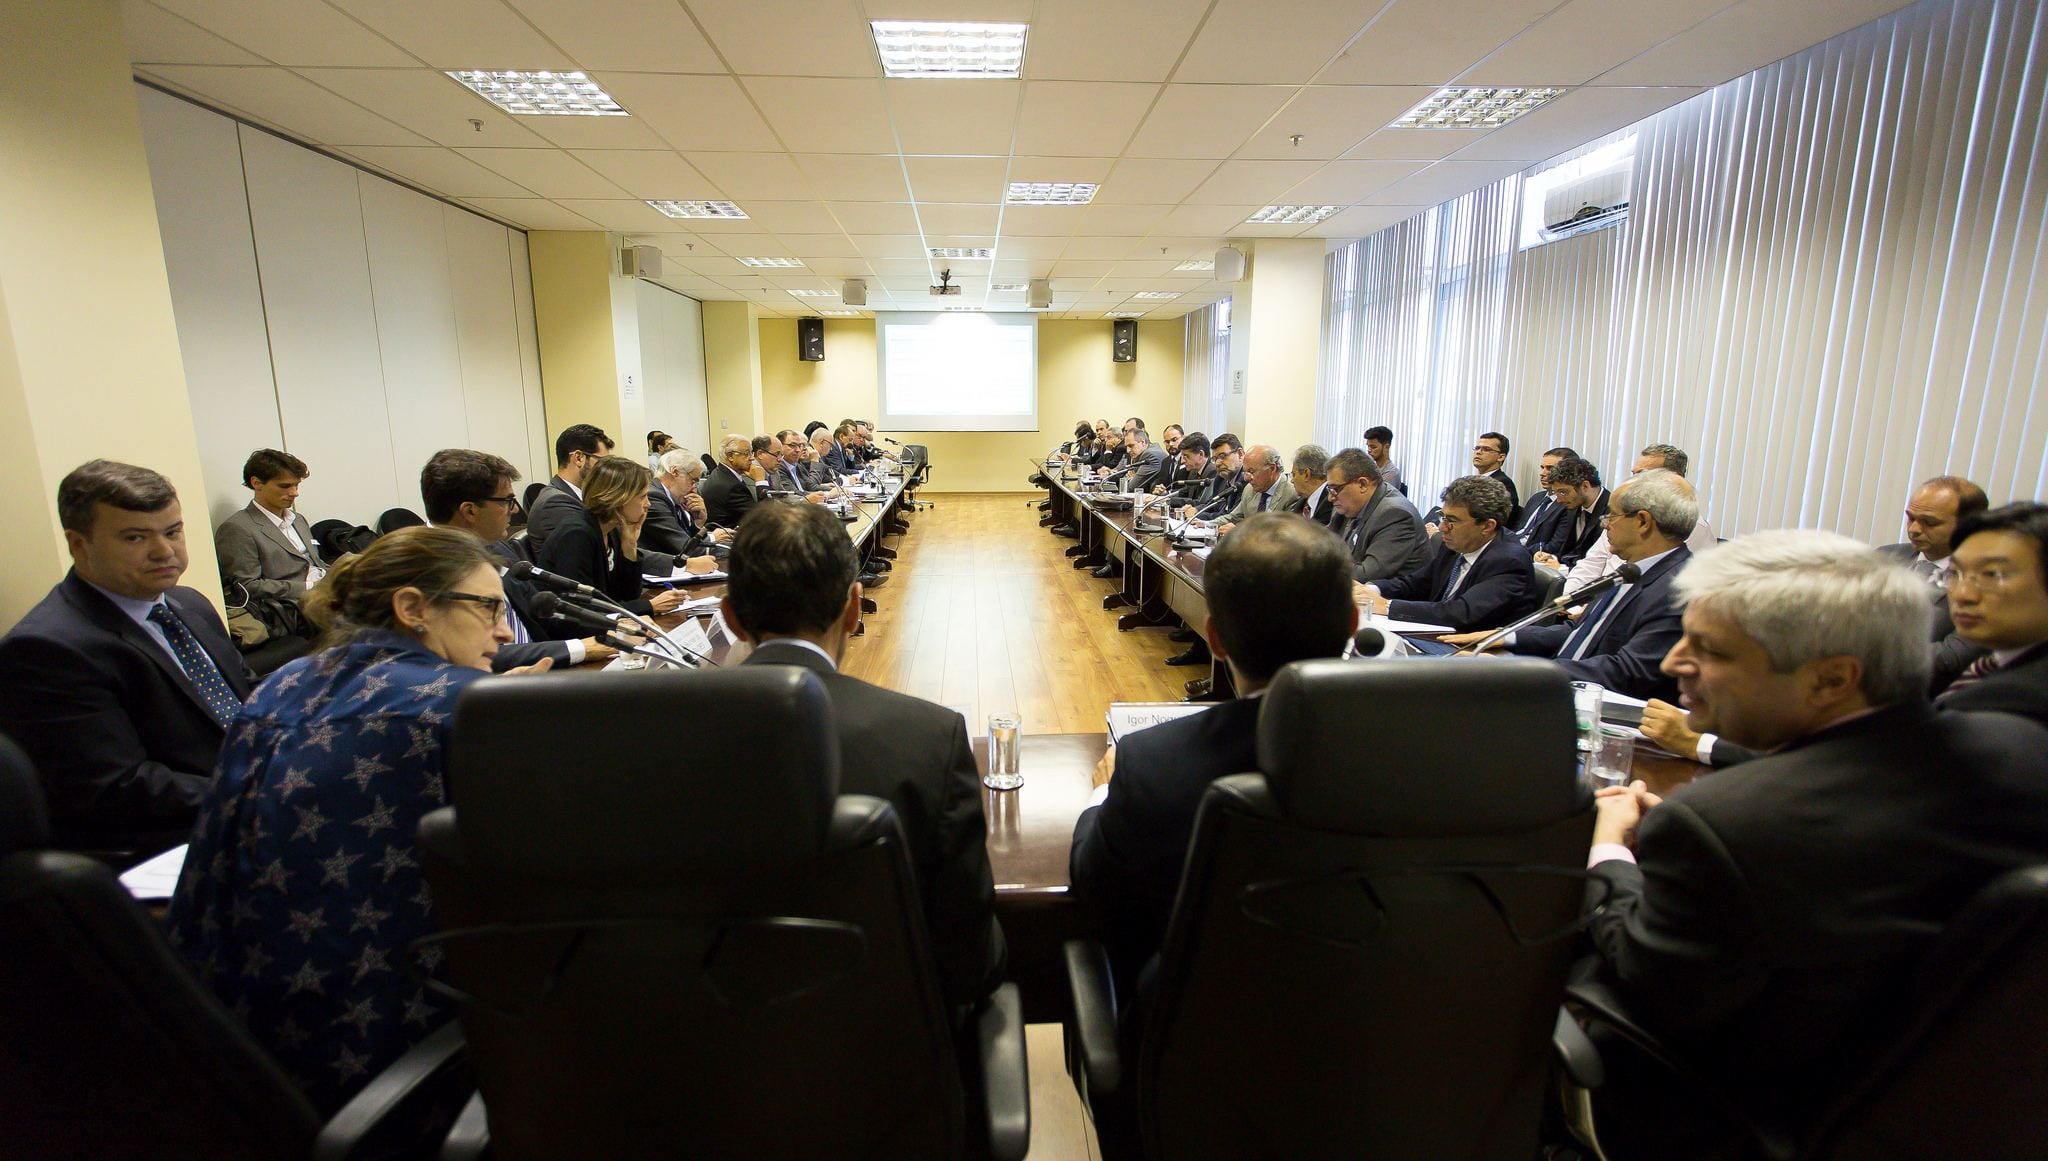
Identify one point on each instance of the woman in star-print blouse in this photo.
(302, 890)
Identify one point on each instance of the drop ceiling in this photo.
(1190, 115)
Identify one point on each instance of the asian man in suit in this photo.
(1479, 575)
(267, 548)
(1998, 595)
(120, 683)
(1767, 922)
(794, 594)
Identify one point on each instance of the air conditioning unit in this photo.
(640, 262)
(1593, 199)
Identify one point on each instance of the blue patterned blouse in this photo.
(301, 889)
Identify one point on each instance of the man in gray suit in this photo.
(1378, 524)
(1931, 516)
(1143, 459)
(1266, 488)
(267, 548)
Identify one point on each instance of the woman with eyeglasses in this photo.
(301, 891)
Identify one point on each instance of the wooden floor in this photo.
(985, 613)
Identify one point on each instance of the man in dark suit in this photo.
(1381, 530)
(1489, 455)
(840, 456)
(1582, 501)
(779, 476)
(795, 596)
(1621, 638)
(1932, 514)
(472, 491)
(1541, 512)
(1309, 473)
(1998, 595)
(675, 512)
(1226, 484)
(1143, 458)
(576, 449)
(1196, 472)
(1769, 920)
(1479, 575)
(1278, 590)
(120, 683)
(729, 491)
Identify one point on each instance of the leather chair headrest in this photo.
(24, 823)
(581, 778)
(1409, 748)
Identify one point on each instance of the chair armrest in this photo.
(470, 1139)
(1093, 1025)
(411, 1078)
(1006, 1083)
(1576, 1053)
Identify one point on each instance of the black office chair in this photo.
(1549, 584)
(710, 464)
(1957, 1073)
(918, 458)
(111, 1048)
(526, 498)
(714, 958)
(394, 519)
(1371, 938)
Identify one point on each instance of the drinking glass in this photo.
(1003, 735)
(1587, 697)
(1612, 758)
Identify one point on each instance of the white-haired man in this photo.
(1764, 921)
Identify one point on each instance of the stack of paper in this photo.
(682, 576)
(155, 880)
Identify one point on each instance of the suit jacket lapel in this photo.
(199, 621)
(1623, 601)
(103, 612)
(267, 527)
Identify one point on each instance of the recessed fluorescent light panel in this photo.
(815, 293)
(1291, 215)
(1157, 294)
(540, 94)
(929, 48)
(960, 251)
(840, 313)
(1462, 108)
(1051, 193)
(964, 309)
(1005, 287)
(1124, 314)
(675, 209)
(771, 262)
(1196, 264)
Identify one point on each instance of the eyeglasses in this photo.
(510, 502)
(493, 607)
(1993, 579)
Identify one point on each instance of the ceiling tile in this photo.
(1097, 248)
(428, 103)
(1251, 182)
(1744, 37)
(856, 177)
(957, 218)
(1570, 121)
(1039, 221)
(1426, 42)
(956, 179)
(799, 38)
(1039, 249)
(292, 32)
(655, 36)
(1222, 220)
(874, 246)
(1585, 38)
(841, 267)
(792, 217)
(1205, 120)
(956, 117)
(690, 112)
(1413, 144)
(1078, 275)
(1359, 221)
(1342, 183)
(1442, 182)
(624, 216)
(1270, 42)
(1093, 169)
(1099, 40)
(1331, 119)
(533, 213)
(547, 172)
(752, 175)
(752, 244)
(157, 36)
(1103, 220)
(1153, 181)
(594, 132)
(443, 171)
(1152, 271)
(460, 34)
(649, 173)
(290, 102)
(824, 114)
(1081, 118)
(875, 217)
(810, 246)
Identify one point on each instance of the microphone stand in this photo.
(678, 652)
(1626, 574)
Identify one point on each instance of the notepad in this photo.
(1128, 717)
(155, 880)
(681, 577)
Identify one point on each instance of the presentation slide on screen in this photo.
(957, 372)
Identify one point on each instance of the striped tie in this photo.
(1979, 669)
(221, 701)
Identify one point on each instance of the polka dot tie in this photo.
(221, 701)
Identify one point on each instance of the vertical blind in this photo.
(1205, 373)
(1832, 283)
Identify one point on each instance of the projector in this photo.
(945, 285)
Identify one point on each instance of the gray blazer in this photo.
(257, 555)
(1248, 502)
(1386, 538)
(552, 506)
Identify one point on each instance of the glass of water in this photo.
(1612, 759)
(1003, 736)
(1587, 699)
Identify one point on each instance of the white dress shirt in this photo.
(1600, 559)
(290, 528)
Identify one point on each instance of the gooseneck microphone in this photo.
(605, 625)
(1626, 574)
(526, 570)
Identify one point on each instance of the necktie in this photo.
(221, 701)
(1457, 574)
(1580, 642)
(1263, 497)
(1979, 669)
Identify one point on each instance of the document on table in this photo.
(1128, 717)
(1417, 627)
(1195, 532)
(683, 577)
(1621, 709)
(154, 880)
(690, 635)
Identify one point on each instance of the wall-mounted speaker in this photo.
(1038, 295)
(640, 262)
(1123, 340)
(853, 292)
(1229, 265)
(810, 340)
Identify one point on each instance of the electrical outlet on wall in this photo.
(724, 425)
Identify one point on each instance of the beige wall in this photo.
(732, 370)
(89, 361)
(1282, 324)
(586, 321)
(1076, 379)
